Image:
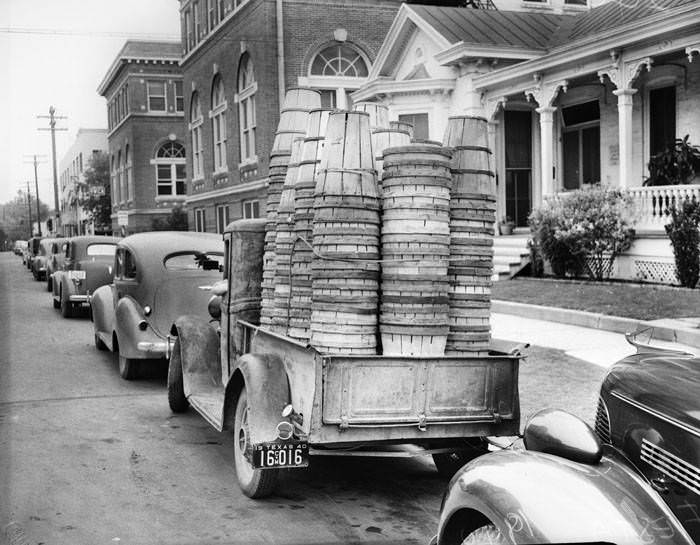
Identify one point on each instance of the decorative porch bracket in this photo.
(493, 105)
(545, 93)
(695, 48)
(623, 74)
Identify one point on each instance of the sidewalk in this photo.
(594, 345)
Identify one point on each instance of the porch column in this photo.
(624, 109)
(546, 146)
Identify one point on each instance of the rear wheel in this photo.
(486, 535)
(66, 307)
(99, 343)
(128, 367)
(255, 483)
(49, 284)
(448, 463)
(176, 387)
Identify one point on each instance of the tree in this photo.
(96, 200)
(176, 221)
(14, 216)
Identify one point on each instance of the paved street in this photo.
(90, 458)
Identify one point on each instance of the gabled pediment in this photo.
(418, 72)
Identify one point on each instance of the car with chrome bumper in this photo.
(87, 265)
(634, 479)
(158, 276)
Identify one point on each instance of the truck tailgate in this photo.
(365, 391)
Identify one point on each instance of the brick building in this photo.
(238, 58)
(88, 142)
(146, 133)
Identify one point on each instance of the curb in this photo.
(594, 320)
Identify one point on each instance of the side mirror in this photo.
(557, 432)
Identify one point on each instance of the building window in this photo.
(581, 144)
(170, 169)
(421, 125)
(251, 209)
(179, 97)
(120, 179)
(200, 224)
(222, 218)
(196, 120)
(222, 11)
(196, 19)
(662, 119)
(115, 185)
(344, 69)
(128, 174)
(576, 2)
(218, 124)
(156, 96)
(247, 87)
(189, 42)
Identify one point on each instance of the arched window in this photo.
(170, 169)
(337, 70)
(115, 185)
(128, 178)
(196, 120)
(218, 123)
(120, 177)
(247, 86)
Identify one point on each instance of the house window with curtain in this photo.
(170, 169)
(218, 124)
(196, 120)
(337, 70)
(581, 144)
(247, 87)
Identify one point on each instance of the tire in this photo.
(254, 483)
(448, 463)
(66, 307)
(56, 304)
(49, 284)
(176, 387)
(99, 343)
(486, 535)
(128, 368)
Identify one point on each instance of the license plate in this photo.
(283, 454)
(79, 275)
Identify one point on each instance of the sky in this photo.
(55, 53)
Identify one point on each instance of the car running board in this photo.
(211, 406)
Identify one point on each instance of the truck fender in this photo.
(533, 497)
(198, 343)
(102, 311)
(267, 387)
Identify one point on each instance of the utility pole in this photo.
(35, 161)
(29, 207)
(52, 127)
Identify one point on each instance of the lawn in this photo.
(638, 301)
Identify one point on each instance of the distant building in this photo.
(88, 142)
(239, 56)
(146, 133)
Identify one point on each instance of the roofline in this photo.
(389, 86)
(116, 64)
(462, 50)
(678, 18)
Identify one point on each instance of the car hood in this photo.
(180, 295)
(665, 383)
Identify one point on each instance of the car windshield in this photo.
(101, 249)
(194, 261)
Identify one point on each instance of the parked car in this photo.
(41, 258)
(157, 278)
(88, 263)
(635, 479)
(32, 250)
(55, 260)
(20, 247)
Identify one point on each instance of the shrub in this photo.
(683, 232)
(176, 221)
(583, 231)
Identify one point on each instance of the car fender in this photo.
(267, 387)
(102, 313)
(67, 286)
(533, 497)
(199, 353)
(127, 315)
(55, 282)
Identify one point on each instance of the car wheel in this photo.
(66, 307)
(176, 387)
(448, 463)
(128, 367)
(486, 535)
(99, 343)
(254, 483)
(49, 284)
(56, 303)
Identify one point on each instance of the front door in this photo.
(518, 145)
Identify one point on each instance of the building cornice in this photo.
(223, 192)
(668, 21)
(122, 60)
(463, 50)
(387, 86)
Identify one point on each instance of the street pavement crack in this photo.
(74, 398)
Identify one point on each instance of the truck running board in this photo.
(211, 406)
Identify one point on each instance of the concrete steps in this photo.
(510, 255)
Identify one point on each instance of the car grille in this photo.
(671, 465)
(602, 422)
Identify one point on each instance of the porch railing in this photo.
(652, 204)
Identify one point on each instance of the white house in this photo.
(573, 94)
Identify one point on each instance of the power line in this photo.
(92, 33)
